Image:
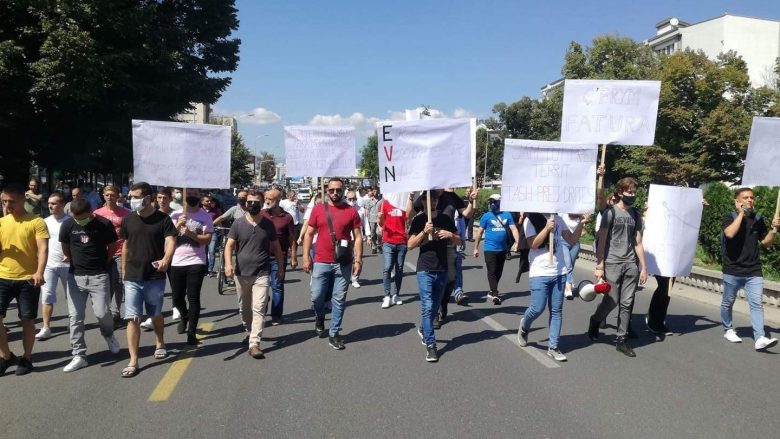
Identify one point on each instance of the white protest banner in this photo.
(548, 177)
(610, 112)
(320, 151)
(181, 154)
(762, 165)
(424, 154)
(671, 229)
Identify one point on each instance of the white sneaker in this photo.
(355, 283)
(397, 300)
(731, 335)
(147, 325)
(556, 354)
(78, 362)
(763, 342)
(44, 334)
(113, 344)
(386, 302)
(176, 314)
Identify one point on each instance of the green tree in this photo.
(75, 73)
(267, 167)
(369, 158)
(240, 158)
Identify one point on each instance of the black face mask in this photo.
(254, 208)
(628, 200)
(242, 201)
(192, 201)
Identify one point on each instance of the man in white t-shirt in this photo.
(57, 264)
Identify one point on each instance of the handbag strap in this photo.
(330, 226)
(508, 234)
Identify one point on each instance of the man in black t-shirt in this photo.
(150, 240)
(432, 267)
(742, 232)
(89, 243)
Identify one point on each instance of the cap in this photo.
(496, 197)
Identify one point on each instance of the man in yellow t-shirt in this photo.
(24, 248)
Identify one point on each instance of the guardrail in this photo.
(707, 280)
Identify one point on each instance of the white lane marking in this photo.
(536, 354)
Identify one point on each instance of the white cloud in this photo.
(261, 116)
(366, 125)
(363, 125)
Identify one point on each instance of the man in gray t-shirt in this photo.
(620, 261)
(252, 238)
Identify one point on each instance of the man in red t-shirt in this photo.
(392, 220)
(329, 272)
(114, 213)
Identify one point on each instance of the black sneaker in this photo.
(5, 364)
(245, 341)
(461, 299)
(181, 327)
(593, 330)
(431, 354)
(192, 340)
(522, 336)
(496, 298)
(437, 321)
(319, 327)
(24, 367)
(336, 343)
(665, 330)
(625, 348)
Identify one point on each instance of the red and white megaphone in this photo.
(587, 290)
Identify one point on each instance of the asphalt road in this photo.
(692, 384)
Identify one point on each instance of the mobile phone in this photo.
(156, 265)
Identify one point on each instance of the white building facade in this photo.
(756, 40)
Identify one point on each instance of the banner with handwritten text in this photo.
(610, 112)
(181, 154)
(424, 154)
(548, 177)
(320, 151)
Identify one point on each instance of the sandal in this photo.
(160, 353)
(130, 371)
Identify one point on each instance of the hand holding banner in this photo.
(548, 177)
(671, 229)
(315, 151)
(610, 112)
(181, 154)
(424, 154)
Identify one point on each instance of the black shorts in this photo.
(26, 296)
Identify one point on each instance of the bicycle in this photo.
(223, 282)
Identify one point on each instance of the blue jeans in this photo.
(431, 284)
(754, 288)
(459, 257)
(277, 290)
(326, 277)
(139, 293)
(394, 256)
(570, 254)
(212, 249)
(546, 290)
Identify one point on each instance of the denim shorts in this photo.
(149, 292)
(26, 296)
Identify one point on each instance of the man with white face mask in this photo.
(176, 202)
(150, 241)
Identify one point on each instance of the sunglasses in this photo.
(335, 190)
(253, 203)
(352, 199)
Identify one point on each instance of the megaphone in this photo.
(587, 290)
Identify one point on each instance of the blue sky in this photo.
(353, 62)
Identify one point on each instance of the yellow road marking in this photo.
(168, 383)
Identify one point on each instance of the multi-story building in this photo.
(199, 113)
(756, 40)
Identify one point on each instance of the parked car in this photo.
(304, 194)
